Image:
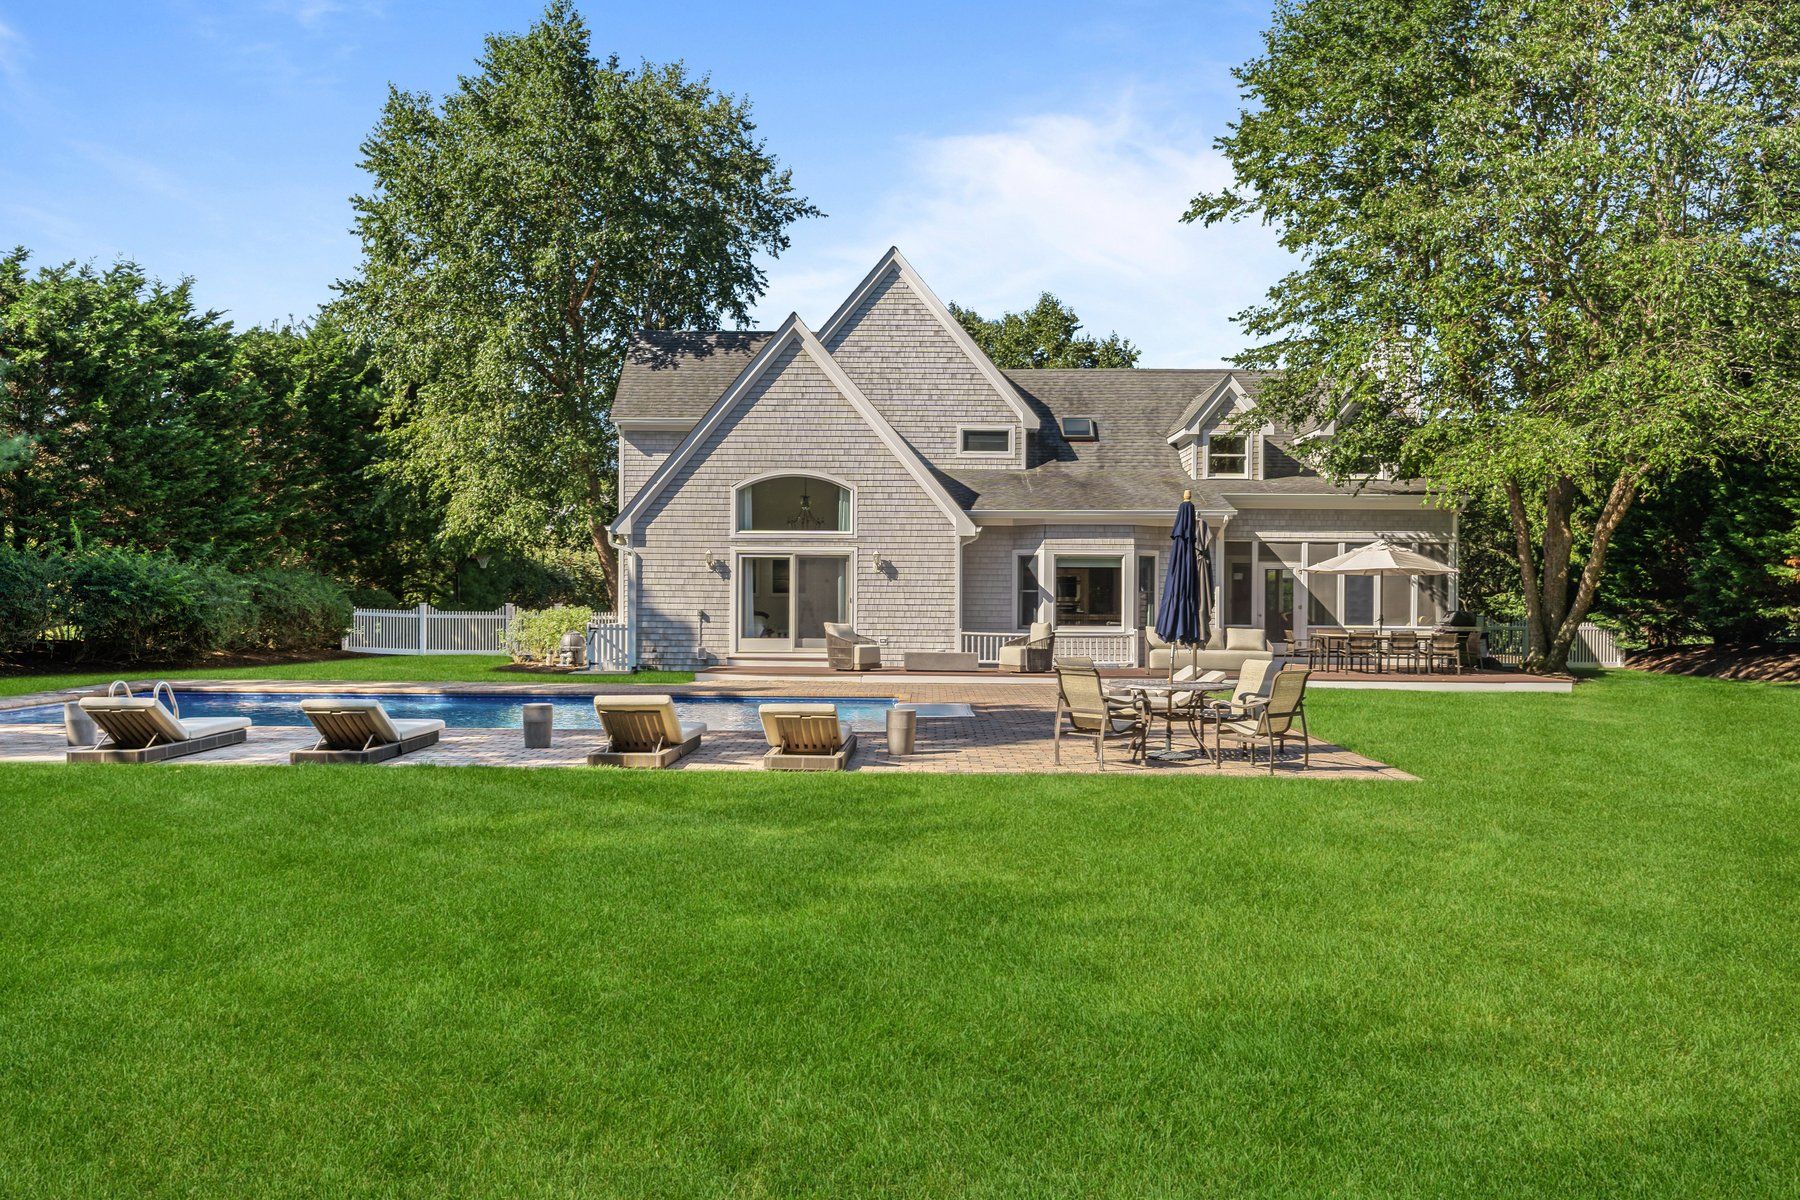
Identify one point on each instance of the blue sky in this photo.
(1007, 148)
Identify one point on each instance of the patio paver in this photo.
(1009, 733)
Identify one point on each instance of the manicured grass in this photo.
(1564, 964)
(367, 668)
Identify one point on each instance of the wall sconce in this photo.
(878, 561)
(710, 559)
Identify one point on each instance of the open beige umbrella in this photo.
(1381, 558)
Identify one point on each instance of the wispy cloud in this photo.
(137, 174)
(1083, 205)
(12, 50)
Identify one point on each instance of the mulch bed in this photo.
(1770, 664)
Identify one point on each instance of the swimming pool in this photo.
(495, 710)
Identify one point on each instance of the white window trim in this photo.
(1033, 558)
(1008, 453)
(778, 534)
(1206, 464)
(1127, 570)
(789, 552)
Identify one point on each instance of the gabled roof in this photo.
(1131, 408)
(674, 375)
(1204, 405)
(793, 331)
(894, 260)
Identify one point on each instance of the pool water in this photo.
(490, 711)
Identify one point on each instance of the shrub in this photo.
(125, 606)
(537, 633)
(298, 610)
(27, 609)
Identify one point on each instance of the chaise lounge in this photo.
(360, 731)
(806, 737)
(140, 730)
(643, 731)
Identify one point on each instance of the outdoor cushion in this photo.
(137, 715)
(772, 729)
(354, 723)
(673, 731)
(1245, 639)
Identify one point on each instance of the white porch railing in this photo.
(424, 630)
(1593, 646)
(1106, 649)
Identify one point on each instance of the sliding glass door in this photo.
(784, 600)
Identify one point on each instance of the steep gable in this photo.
(920, 367)
(794, 368)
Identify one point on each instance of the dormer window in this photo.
(986, 443)
(1227, 456)
(1079, 429)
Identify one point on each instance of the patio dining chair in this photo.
(1402, 646)
(1444, 649)
(1092, 713)
(1362, 648)
(1273, 722)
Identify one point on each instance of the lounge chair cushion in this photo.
(663, 706)
(132, 712)
(772, 729)
(354, 724)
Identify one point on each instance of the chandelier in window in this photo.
(805, 518)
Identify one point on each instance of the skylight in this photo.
(1079, 429)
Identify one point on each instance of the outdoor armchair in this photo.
(1092, 713)
(1031, 653)
(1274, 721)
(848, 650)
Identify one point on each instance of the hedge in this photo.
(123, 606)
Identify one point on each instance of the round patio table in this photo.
(1166, 691)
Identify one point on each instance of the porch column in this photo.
(1046, 585)
(1218, 573)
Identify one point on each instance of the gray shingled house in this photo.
(882, 471)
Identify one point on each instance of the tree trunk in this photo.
(609, 563)
(1552, 618)
(1618, 503)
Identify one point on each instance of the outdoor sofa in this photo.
(1229, 653)
(140, 730)
(360, 731)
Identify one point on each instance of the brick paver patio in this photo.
(1009, 732)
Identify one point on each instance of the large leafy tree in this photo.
(1547, 251)
(515, 237)
(128, 416)
(1048, 334)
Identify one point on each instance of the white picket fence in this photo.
(425, 630)
(1593, 646)
(609, 646)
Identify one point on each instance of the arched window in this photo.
(793, 504)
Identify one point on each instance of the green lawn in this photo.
(1567, 963)
(367, 668)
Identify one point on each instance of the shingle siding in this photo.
(641, 451)
(793, 418)
(918, 377)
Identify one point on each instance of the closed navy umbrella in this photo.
(1179, 620)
